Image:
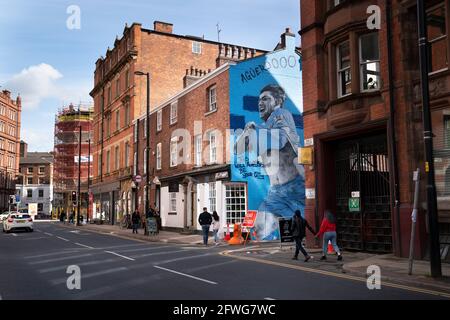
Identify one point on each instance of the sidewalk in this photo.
(393, 269)
(162, 236)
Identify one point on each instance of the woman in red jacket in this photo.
(328, 229)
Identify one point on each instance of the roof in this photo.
(37, 158)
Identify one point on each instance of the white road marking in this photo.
(144, 249)
(38, 238)
(64, 267)
(158, 253)
(63, 239)
(53, 254)
(82, 245)
(61, 259)
(15, 235)
(119, 255)
(186, 275)
(49, 234)
(90, 275)
(75, 231)
(269, 299)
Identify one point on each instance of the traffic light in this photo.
(12, 199)
(74, 196)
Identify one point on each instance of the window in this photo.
(41, 193)
(198, 150)
(212, 148)
(173, 112)
(136, 132)
(127, 154)
(117, 120)
(343, 69)
(2, 144)
(108, 158)
(108, 125)
(29, 193)
(30, 169)
(145, 161)
(117, 87)
(437, 38)
(2, 126)
(145, 127)
(196, 47)
(173, 201)
(41, 170)
(369, 62)
(173, 152)
(158, 156)
(212, 197)
(127, 114)
(99, 165)
(109, 95)
(212, 99)
(127, 79)
(235, 202)
(30, 180)
(40, 207)
(117, 158)
(159, 120)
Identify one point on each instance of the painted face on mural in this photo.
(266, 105)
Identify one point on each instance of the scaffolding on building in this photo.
(68, 122)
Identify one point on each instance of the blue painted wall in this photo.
(280, 68)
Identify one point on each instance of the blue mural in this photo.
(267, 128)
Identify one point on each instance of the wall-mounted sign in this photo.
(222, 175)
(84, 159)
(355, 194)
(309, 142)
(310, 193)
(305, 156)
(354, 205)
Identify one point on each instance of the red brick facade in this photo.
(332, 119)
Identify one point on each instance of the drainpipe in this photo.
(392, 143)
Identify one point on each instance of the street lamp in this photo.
(147, 151)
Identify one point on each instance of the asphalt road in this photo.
(34, 266)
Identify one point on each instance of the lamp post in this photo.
(89, 182)
(435, 259)
(79, 181)
(147, 150)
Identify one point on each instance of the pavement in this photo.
(393, 269)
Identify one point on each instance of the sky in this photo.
(51, 65)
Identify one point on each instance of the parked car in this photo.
(17, 221)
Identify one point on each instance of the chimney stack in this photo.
(163, 27)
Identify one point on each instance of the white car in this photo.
(18, 221)
(3, 216)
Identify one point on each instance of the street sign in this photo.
(249, 219)
(152, 226)
(285, 230)
(355, 194)
(84, 159)
(354, 205)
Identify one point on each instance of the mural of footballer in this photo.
(279, 160)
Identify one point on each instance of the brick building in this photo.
(35, 183)
(173, 62)
(10, 111)
(191, 163)
(362, 113)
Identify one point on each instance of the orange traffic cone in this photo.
(237, 235)
(227, 234)
(330, 247)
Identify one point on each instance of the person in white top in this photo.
(216, 227)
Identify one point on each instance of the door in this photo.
(364, 222)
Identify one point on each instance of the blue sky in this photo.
(50, 65)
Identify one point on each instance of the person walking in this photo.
(216, 227)
(328, 230)
(135, 218)
(298, 230)
(205, 221)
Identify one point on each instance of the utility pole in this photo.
(79, 180)
(218, 32)
(435, 259)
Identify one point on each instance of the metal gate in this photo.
(362, 167)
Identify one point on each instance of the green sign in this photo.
(354, 205)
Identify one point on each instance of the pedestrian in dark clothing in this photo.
(328, 229)
(135, 218)
(205, 221)
(298, 230)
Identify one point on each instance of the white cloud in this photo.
(35, 84)
(35, 140)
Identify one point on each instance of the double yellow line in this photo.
(229, 253)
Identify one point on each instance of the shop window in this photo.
(235, 203)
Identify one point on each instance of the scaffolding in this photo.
(67, 144)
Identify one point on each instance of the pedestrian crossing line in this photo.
(158, 253)
(228, 253)
(49, 234)
(13, 234)
(53, 254)
(83, 245)
(119, 255)
(142, 249)
(185, 275)
(63, 239)
(90, 275)
(60, 259)
(185, 258)
(83, 264)
(270, 299)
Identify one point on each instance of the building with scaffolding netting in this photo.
(70, 170)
